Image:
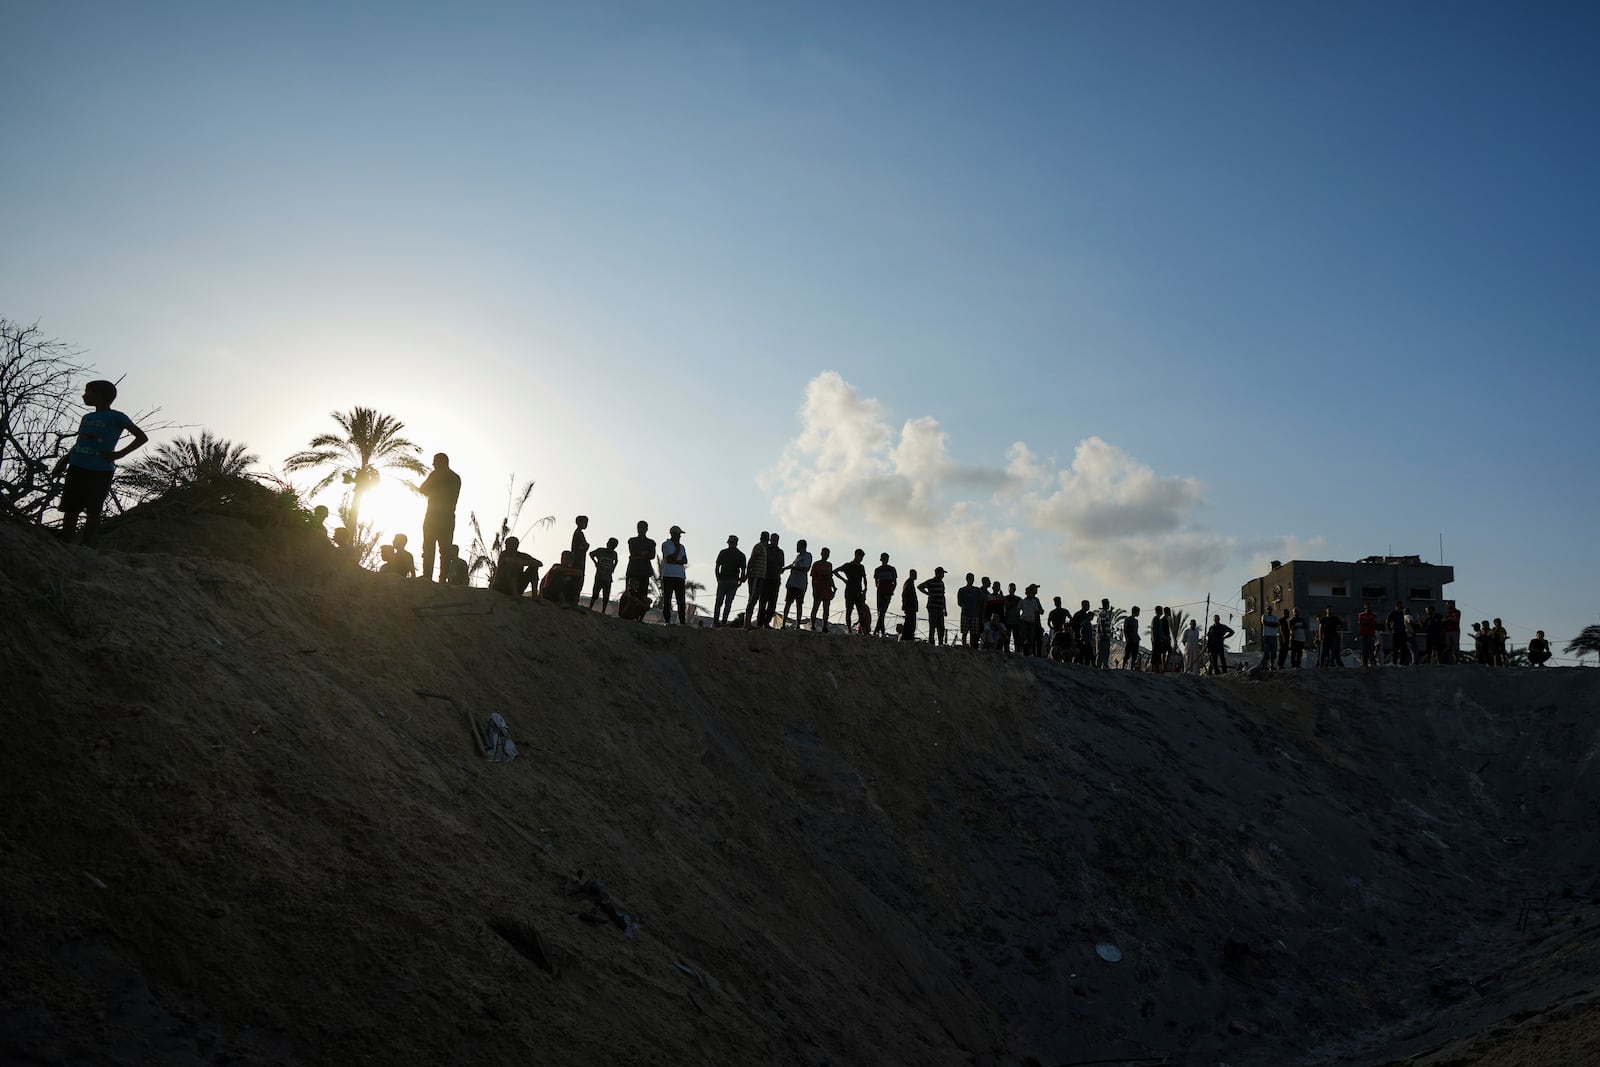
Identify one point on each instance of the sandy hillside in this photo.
(231, 831)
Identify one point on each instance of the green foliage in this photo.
(1585, 643)
(188, 461)
(482, 554)
(367, 443)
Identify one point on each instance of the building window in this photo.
(1373, 592)
(1421, 594)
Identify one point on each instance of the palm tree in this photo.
(485, 553)
(1586, 642)
(368, 442)
(203, 460)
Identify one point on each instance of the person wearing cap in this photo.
(674, 560)
(933, 589)
(1028, 614)
(884, 578)
(730, 571)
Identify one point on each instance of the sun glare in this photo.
(392, 508)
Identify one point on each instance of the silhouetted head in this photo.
(824, 552)
(970, 578)
(1011, 587)
(582, 521)
(1105, 602)
(441, 462)
(611, 542)
(861, 554)
(400, 540)
(512, 544)
(883, 557)
(320, 513)
(763, 537)
(773, 540)
(800, 545)
(100, 392)
(643, 526)
(566, 558)
(911, 576)
(1135, 610)
(676, 532)
(1085, 605)
(1214, 618)
(733, 539)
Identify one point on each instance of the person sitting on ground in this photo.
(514, 570)
(994, 633)
(1217, 642)
(564, 584)
(454, 569)
(388, 565)
(404, 563)
(1539, 650)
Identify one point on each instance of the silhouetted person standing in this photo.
(908, 607)
(92, 461)
(641, 564)
(674, 576)
(605, 565)
(884, 579)
(769, 588)
(756, 575)
(1217, 642)
(934, 590)
(442, 487)
(730, 576)
(580, 547)
(854, 576)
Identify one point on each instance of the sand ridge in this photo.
(233, 832)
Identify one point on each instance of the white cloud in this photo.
(1108, 515)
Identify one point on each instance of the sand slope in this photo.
(231, 831)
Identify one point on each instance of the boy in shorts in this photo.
(93, 460)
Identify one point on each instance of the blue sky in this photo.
(1247, 280)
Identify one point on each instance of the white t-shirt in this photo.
(797, 578)
(669, 552)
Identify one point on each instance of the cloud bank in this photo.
(1107, 515)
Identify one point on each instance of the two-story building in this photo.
(1314, 585)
